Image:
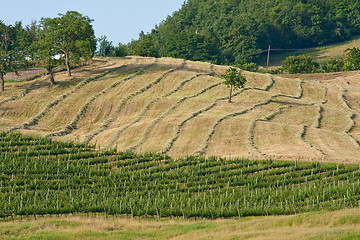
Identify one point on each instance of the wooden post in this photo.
(238, 210)
(267, 213)
(158, 215)
(268, 58)
(295, 210)
(182, 211)
(105, 212)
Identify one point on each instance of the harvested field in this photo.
(180, 108)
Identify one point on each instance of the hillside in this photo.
(318, 53)
(232, 31)
(180, 107)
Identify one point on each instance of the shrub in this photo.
(299, 64)
(252, 67)
(352, 61)
(332, 65)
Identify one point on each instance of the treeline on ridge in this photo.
(232, 31)
(68, 38)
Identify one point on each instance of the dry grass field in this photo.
(344, 224)
(180, 107)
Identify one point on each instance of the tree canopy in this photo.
(12, 49)
(75, 37)
(231, 31)
(45, 45)
(70, 36)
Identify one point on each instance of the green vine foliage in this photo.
(40, 176)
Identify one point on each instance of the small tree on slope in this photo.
(76, 38)
(46, 46)
(9, 54)
(234, 80)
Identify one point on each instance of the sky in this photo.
(121, 20)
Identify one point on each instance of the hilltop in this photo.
(232, 32)
(180, 107)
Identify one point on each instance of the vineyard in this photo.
(41, 176)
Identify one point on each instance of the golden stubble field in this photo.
(180, 107)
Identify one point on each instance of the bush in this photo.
(299, 64)
(278, 70)
(332, 65)
(251, 67)
(352, 61)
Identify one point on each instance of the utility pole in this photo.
(268, 58)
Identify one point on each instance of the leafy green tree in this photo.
(352, 61)
(31, 38)
(146, 48)
(9, 53)
(299, 64)
(121, 50)
(105, 47)
(236, 45)
(76, 37)
(233, 79)
(46, 45)
(191, 45)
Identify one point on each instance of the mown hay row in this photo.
(318, 118)
(110, 120)
(33, 121)
(72, 125)
(149, 105)
(202, 149)
(170, 110)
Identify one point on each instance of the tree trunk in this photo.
(52, 78)
(231, 87)
(51, 74)
(2, 81)
(67, 64)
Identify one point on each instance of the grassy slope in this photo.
(180, 107)
(342, 224)
(335, 50)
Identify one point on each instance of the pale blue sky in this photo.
(120, 20)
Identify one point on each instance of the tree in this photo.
(46, 45)
(352, 61)
(145, 47)
(31, 37)
(75, 37)
(121, 50)
(190, 45)
(105, 47)
(233, 79)
(9, 55)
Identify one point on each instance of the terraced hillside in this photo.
(180, 107)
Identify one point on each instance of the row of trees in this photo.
(107, 49)
(69, 37)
